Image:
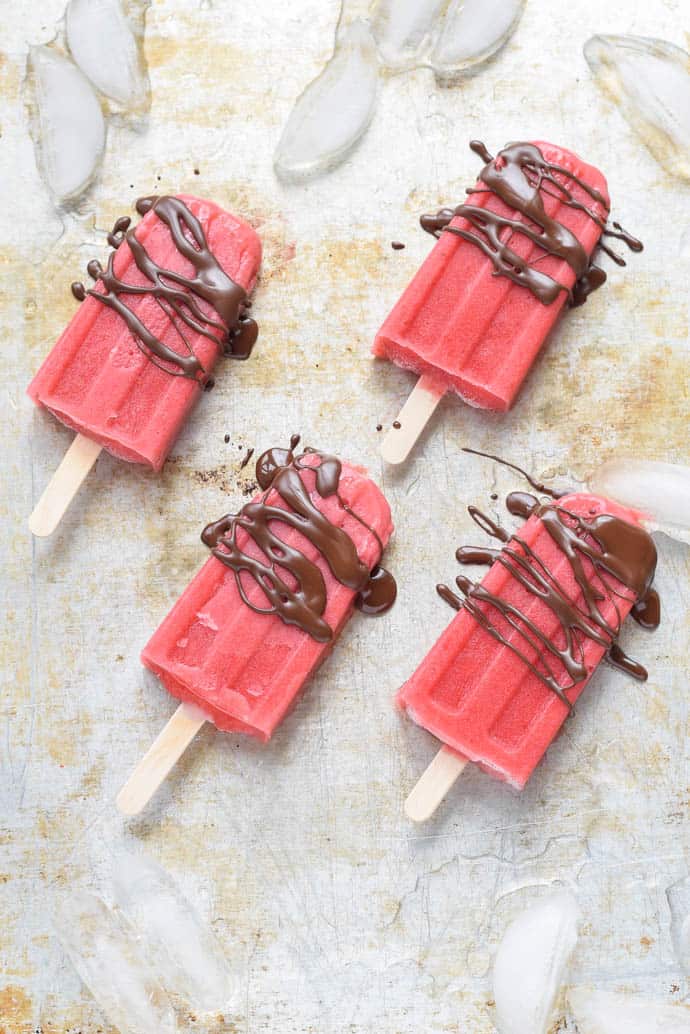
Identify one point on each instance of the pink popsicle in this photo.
(483, 689)
(100, 381)
(476, 314)
(245, 668)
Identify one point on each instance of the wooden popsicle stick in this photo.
(413, 418)
(159, 759)
(434, 784)
(64, 485)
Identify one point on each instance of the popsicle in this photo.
(266, 608)
(503, 677)
(506, 263)
(141, 348)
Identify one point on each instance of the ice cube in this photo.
(402, 30)
(530, 963)
(659, 490)
(650, 80)
(471, 32)
(185, 954)
(106, 955)
(334, 111)
(603, 1012)
(449, 36)
(102, 42)
(678, 897)
(66, 123)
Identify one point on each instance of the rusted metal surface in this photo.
(338, 914)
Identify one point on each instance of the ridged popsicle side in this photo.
(475, 333)
(476, 695)
(99, 382)
(247, 669)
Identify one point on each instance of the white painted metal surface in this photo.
(339, 913)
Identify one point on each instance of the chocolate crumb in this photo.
(397, 245)
(379, 427)
(397, 425)
(226, 438)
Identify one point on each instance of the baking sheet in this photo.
(338, 914)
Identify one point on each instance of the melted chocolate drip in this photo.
(519, 176)
(292, 583)
(177, 295)
(248, 455)
(379, 593)
(602, 554)
(117, 234)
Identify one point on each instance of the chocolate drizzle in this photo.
(177, 295)
(520, 176)
(610, 560)
(292, 583)
(538, 486)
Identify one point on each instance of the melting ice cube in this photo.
(450, 36)
(184, 953)
(334, 111)
(603, 1012)
(67, 123)
(659, 490)
(530, 963)
(402, 29)
(471, 32)
(102, 42)
(109, 960)
(650, 80)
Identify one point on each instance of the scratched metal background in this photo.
(338, 914)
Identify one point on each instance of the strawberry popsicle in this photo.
(479, 309)
(501, 680)
(266, 608)
(141, 348)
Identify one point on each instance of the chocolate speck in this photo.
(397, 245)
(397, 425)
(248, 456)
(379, 427)
(226, 438)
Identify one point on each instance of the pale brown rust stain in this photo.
(92, 779)
(656, 708)
(16, 1009)
(65, 738)
(49, 302)
(11, 74)
(645, 413)
(229, 81)
(655, 760)
(84, 1018)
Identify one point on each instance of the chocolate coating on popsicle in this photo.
(177, 295)
(602, 553)
(292, 582)
(520, 176)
